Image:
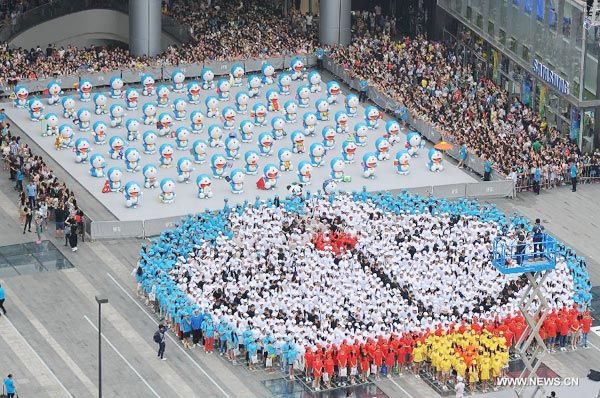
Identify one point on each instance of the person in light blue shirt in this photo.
(9, 386)
(2, 298)
(31, 189)
(291, 357)
(186, 328)
(197, 319)
(463, 156)
(487, 169)
(537, 179)
(253, 353)
(573, 171)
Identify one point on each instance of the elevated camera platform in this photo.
(513, 257)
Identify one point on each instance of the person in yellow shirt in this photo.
(417, 359)
(496, 369)
(485, 371)
(445, 366)
(473, 376)
(460, 366)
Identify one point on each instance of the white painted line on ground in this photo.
(593, 346)
(403, 390)
(172, 339)
(123, 358)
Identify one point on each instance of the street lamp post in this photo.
(100, 300)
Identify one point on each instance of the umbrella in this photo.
(443, 146)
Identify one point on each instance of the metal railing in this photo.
(587, 173)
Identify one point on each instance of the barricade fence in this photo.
(587, 173)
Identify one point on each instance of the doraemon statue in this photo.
(82, 150)
(392, 129)
(177, 80)
(179, 109)
(241, 102)
(285, 159)
(309, 122)
(85, 90)
(84, 119)
(259, 114)
(131, 98)
(98, 163)
(341, 122)
(328, 134)
(99, 132)
(133, 129)
(360, 134)
(115, 176)
(382, 148)
(54, 93)
(51, 124)
(317, 154)
(164, 124)
(236, 181)
(305, 172)
(203, 182)
(193, 92)
(149, 113)
(303, 96)
(372, 116)
(270, 176)
(166, 155)
(21, 94)
(246, 130)
(314, 81)
(348, 151)
(369, 164)
(277, 125)
(329, 186)
(132, 160)
(297, 69)
(268, 71)
(414, 142)
(290, 108)
(337, 168)
(435, 160)
(218, 163)
(162, 96)
(100, 101)
(66, 134)
(132, 194)
(197, 122)
(351, 104)
(251, 162)
(273, 100)
(167, 188)
(116, 87)
(147, 81)
(198, 151)
(36, 109)
(322, 109)
(149, 142)
(237, 74)
(150, 173)
(284, 82)
(265, 144)
(232, 148)
(254, 84)
(208, 78)
(298, 139)
(184, 170)
(228, 118)
(68, 104)
(333, 90)
(223, 89)
(402, 162)
(182, 136)
(116, 144)
(116, 113)
(215, 136)
(212, 106)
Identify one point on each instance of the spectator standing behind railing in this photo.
(573, 171)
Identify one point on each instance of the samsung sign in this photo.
(550, 77)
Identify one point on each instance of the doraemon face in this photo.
(215, 131)
(352, 100)
(229, 114)
(178, 77)
(370, 160)
(414, 139)
(219, 161)
(233, 143)
(393, 127)
(278, 123)
(322, 106)
(268, 70)
(21, 92)
(203, 181)
(82, 145)
(337, 164)
(299, 137)
(208, 75)
(97, 161)
(167, 185)
(150, 137)
(200, 147)
(349, 147)
(383, 145)
(184, 164)
(182, 133)
(310, 119)
(237, 71)
(435, 156)
(100, 128)
(35, 105)
(197, 117)
(212, 102)
(84, 115)
(116, 143)
(361, 130)
(266, 140)
(194, 88)
(117, 110)
(329, 133)
(260, 110)
(116, 83)
(271, 171)
(166, 151)
(149, 109)
(132, 155)
(305, 169)
(285, 79)
(242, 98)
(68, 103)
(342, 118)
(147, 81)
(333, 88)
(162, 92)
(179, 105)
(165, 119)
(272, 96)
(254, 81)
(303, 92)
(329, 186)
(297, 65)
(317, 150)
(403, 157)
(54, 89)
(150, 171)
(86, 86)
(115, 174)
(133, 125)
(132, 95)
(51, 119)
(291, 107)
(285, 155)
(100, 99)
(133, 190)
(314, 78)
(372, 113)
(224, 86)
(237, 177)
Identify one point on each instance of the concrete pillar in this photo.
(334, 22)
(144, 27)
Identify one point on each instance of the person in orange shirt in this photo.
(328, 366)
(364, 368)
(551, 331)
(317, 372)
(390, 361)
(353, 365)
(563, 329)
(342, 362)
(377, 361)
(575, 329)
(586, 325)
(309, 358)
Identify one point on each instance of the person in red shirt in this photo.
(563, 328)
(342, 362)
(309, 358)
(353, 365)
(551, 331)
(586, 325)
(364, 368)
(377, 361)
(317, 372)
(390, 361)
(574, 328)
(328, 369)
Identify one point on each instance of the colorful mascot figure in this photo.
(314, 81)
(165, 120)
(392, 129)
(273, 100)
(285, 159)
(223, 89)
(277, 125)
(329, 186)
(208, 79)
(369, 164)
(114, 176)
(291, 111)
(177, 80)
(259, 114)
(147, 81)
(254, 84)
(297, 69)
(241, 102)
(251, 162)
(360, 134)
(228, 118)
(246, 130)
(116, 144)
(197, 122)
(322, 109)
(337, 168)
(317, 154)
(162, 96)
(116, 87)
(182, 137)
(204, 184)
(341, 122)
(237, 74)
(36, 109)
(265, 144)
(84, 119)
(309, 122)
(435, 160)
(284, 81)
(232, 148)
(65, 136)
(100, 104)
(218, 164)
(149, 142)
(295, 190)
(414, 142)
(349, 151)
(333, 90)
(54, 93)
(269, 178)
(167, 190)
(132, 160)
(268, 71)
(351, 104)
(116, 113)
(193, 92)
(82, 150)
(298, 139)
(382, 148)
(215, 136)
(184, 170)
(51, 124)
(305, 172)
(132, 194)
(303, 96)
(372, 116)
(402, 162)
(68, 104)
(133, 129)
(131, 99)
(179, 109)
(212, 106)
(21, 93)
(328, 134)
(149, 113)
(236, 181)
(99, 132)
(85, 90)
(150, 173)
(198, 151)
(98, 163)
(166, 156)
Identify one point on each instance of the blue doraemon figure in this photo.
(361, 131)
(147, 82)
(328, 134)
(291, 111)
(193, 92)
(54, 92)
(208, 79)
(314, 81)
(133, 129)
(236, 181)
(212, 106)
(66, 134)
(297, 69)
(272, 97)
(237, 74)
(21, 93)
(333, 90)
(392, 129)
(116, 113)
(100, 104)
(68, 104)
(82, 150)
(309, 122)
(259, 114)
(303, 96)
(215, 136)
(251, 162)
(254, 84)
(162, 96)
(218, 164)
(372, 116)
(267, 71)
(322, 109)
(270, 176)
(116, 87)
(435, 160)
(341, 122)
(241, 102)
(150, 173)
(165, 120)
(149, 113)
(114, 176)
(232, 148)
(223, 89)
(297, 137)
(349, 151)
(285, 159)
(305, 172)
(277, 127)
(98, 164)
(228, 118)
(182, 136)
(198, 151)
(131, 98)
(414, 142)
(179, 109)
(197, 122)
(85, 90)
(177, 80)
(84, 119)
(402, 162)
(246, 131)
(132, 160)
(317, 154)
(132, 193)
(184, 170)
(166, 155)
(284, 81)
(265, 144)
(99, 130)
(116, 144)
(351, 104)
(337, 166)
(204, 184)
(382, 148)
(369, 164)
(36, 109)
(149, 142)
(51, 124)
(167, 190)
